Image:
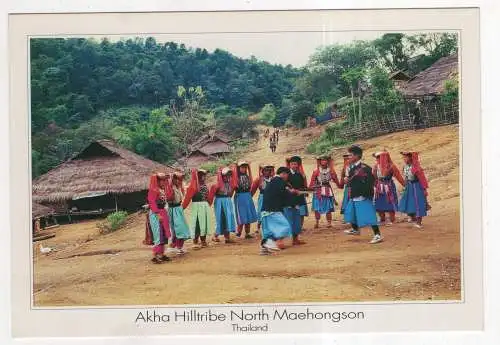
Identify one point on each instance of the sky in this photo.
(284, 48)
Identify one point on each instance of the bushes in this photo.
(329, 139)
(113, 222)
(268, 114)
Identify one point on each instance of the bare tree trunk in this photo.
(353, 105)
(360, 114)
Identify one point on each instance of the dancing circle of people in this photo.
(282, 201)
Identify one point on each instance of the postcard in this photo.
(251, 172)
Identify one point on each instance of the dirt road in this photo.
(409, 265)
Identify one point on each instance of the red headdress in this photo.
(220, 180)
(236, 173)
(193, 188)
(264, 167)
(154, 186)
(384, 162)
(178, 176)
(347, 159)
(153, 181)
(416, 168)
(331, 168)
(218, 186)
(330, 163)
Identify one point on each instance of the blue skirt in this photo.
(292, 214)
(303, 210)
(245, 208)
(345, 200)
(413, 200)
(323, 205)
(158, 234)
(275, 226)
(260, 201)
(382, 202)
(178, 223)
(224, 215)
(361, 213)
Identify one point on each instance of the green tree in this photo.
(354, 77)
(395, 50)
(268, 114)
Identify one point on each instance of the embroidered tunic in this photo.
(244, 184)
(202, 194)
(225, 191)
(408, 174)
(323, 182)
(177, 197)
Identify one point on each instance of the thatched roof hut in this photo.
(197, 158)
(212, 145)
(431, 81)
(39, 211)
(399, 75)
(102, 169)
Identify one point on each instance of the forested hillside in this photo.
(155, 99)
(82, 89)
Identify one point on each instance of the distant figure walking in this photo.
(417, 118)
(272, 143)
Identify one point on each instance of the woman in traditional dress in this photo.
(323, 197)
(221, 194)
(266, 173)
(343, 175)
(243, 202)
(157, 223)
(414, 198)
(386, 195)
(178, 222)
(197, 195)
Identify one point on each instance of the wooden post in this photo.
(116, 204)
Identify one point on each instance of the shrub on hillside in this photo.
(268, 114)
(113, 222)
(329, 138)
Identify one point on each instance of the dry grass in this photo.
(409, 265)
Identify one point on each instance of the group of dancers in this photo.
(282, 201)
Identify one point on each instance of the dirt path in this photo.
(409, 265)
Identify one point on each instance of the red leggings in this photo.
(392, 216)
(318, 216)
(159, 249)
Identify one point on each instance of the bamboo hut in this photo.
(102, 178)
(431, 82)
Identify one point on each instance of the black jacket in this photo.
(298, 182)
(361, 181)
(276, 196)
